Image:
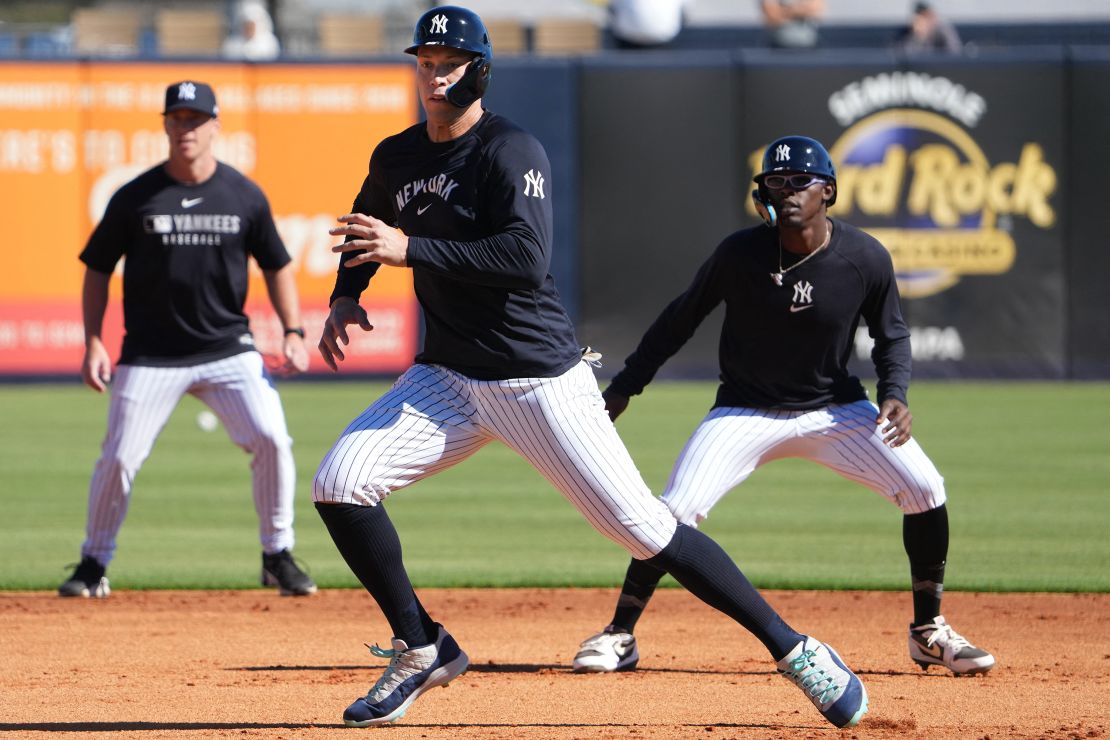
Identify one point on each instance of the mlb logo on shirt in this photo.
(158, 224)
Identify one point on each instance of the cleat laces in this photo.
(948, 637)
(403, 664)
(820, 686)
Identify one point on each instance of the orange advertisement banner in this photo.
(72, 133)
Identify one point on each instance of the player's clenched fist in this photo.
(344, 312)
(615, 403)
(374, 239)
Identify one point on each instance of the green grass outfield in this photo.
(1027, 467)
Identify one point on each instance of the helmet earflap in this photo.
(764, 207)
(472, 85)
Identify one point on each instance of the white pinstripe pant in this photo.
(731, 442)
(241, 393)
(433, 418)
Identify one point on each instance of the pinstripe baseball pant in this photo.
(241, 393)
(433, 418)
(731, 442)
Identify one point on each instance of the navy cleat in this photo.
(411, 672)
(832, 687)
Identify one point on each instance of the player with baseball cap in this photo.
(795, 289)
(463, 200)
(193, 96)
(188, 228)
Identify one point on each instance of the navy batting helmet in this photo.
(798, 154)
(458, 28)
(452, 26)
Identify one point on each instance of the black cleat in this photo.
(87, 581)
(280, 570)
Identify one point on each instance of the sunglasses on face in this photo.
(796, 182)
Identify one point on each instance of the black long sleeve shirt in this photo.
(786, 346)
(477, 211)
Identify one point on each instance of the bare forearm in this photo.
(94, 302)
(282, 289)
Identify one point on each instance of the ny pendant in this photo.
(777, 277)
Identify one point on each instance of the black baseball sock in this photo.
(925, 537)
(699, 564)
(639, 584)
(367, 540)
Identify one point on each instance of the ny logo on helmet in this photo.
(187, 91)
(439, 24)
(782, 153)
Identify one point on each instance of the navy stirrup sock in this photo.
(367, 540)
(699, 564)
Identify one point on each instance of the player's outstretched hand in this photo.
(896, 421)
(375, 240)
(615, 403)
(96, 369)
(344, 312)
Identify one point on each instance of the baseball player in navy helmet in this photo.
(794, 291)
(463, 200)
(187, 228)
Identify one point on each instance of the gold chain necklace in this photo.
(778, 276)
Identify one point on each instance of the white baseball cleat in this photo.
(936, 643)
(606, 652)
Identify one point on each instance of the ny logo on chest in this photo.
(803, 296)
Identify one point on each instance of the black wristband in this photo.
(299, 331)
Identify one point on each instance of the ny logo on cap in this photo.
(782, 152)
(439, 24)
(187, 91)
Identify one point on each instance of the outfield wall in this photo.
(71, 133)
(980, 174)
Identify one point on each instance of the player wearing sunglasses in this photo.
(794, 290)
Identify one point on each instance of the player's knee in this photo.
(687, 514)
(117, 465)
(921, 498)
(642, 548)
(330, 489)
(268, 443)
(642, 537)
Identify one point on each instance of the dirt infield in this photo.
(175, 664)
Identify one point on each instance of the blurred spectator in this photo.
(792, 24)
(645, 24)
(927, 32)
(253, 38)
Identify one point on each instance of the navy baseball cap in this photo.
(192, 96)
